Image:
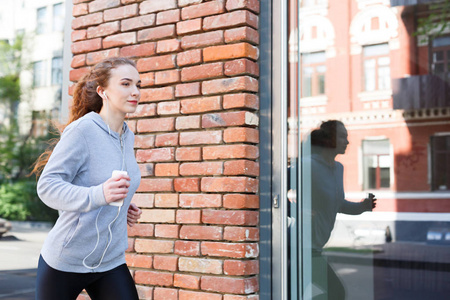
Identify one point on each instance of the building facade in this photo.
(231, 90)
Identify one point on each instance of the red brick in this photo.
(156, 63)
(203, 71)
(202, 10)
(252, 5)
(167, 139)
(87, 20)
(182, 3)
(148, 79)
(241, 134)
(200, 200)
(156, 155)
(130, 245)
(229, 184)
(202, 40)
(158, 215)
(77, 74)
(189, 154)
(199, 105)
(233, 250)
(121, 13)
(200, 137)
(154, 246)
(151, 6)
(240, 50)
(241, 234)
(188, 122)
(230, 285)
(93, 58)
(144, 110)
(120, 39)
(139, 261)
(230, 217)
(188, 216)
(138, 22)
(188, 89)
(189, 26)
(156, 185)
(241, 66)
(168, 263)
(141, 230)
(153, 278)
(98, 5)
(144, 141)
(242, 34)
(143, 201)
(78, 35)
(157, 94)
(198, 232)
(86, 46)
(241, 167)
(201, 168)
(146, 49)
(79, 9)
(144, 292)
(200, 265)
(241, 267)
(166, 200)
(156, 125)
(243, 100)
(165, 294)
(147, 169)
(166, 170)
(167, 77)
(235, 84)
(187, 248)
(190, 57)
(168, 16)
(78, 61)
(186, 281)
(230, 151)
(227, 119)
(79, 1)
(192, 295)
(156, 33)
(187, 184)
(167, 46)
(232, 19)
(130, 1)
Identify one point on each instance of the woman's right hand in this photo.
(116, 188)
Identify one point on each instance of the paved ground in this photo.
(19, 254)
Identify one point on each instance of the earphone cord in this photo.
(98, 239)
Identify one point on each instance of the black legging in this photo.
(115, 284)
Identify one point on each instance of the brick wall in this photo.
(196, 139)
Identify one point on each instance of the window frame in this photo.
(376, 69)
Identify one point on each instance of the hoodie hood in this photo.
(97, 119)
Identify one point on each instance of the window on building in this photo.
(41, 20)
(440, 162)
(377, 71)
(57, 64)
(440, 55)
(376, 164)
(313, 74)
(58, 17)
(39, 74)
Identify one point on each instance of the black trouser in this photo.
(52, 284)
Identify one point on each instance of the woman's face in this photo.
(123, 90)
(341, 139)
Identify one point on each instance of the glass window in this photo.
(376, 164)
(440, 55)
(41, 20)
(39, 74)
(58, 17)
(313, 74)
(377, 72)
(440, 162)
(57, 63)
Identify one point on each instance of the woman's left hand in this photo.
(133, 215)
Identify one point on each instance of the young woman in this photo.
(86, 247)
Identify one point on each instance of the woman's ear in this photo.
(101, 92)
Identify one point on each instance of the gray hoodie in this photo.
(72, 182)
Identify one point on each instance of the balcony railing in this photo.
(422, 91)
(412, 2)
